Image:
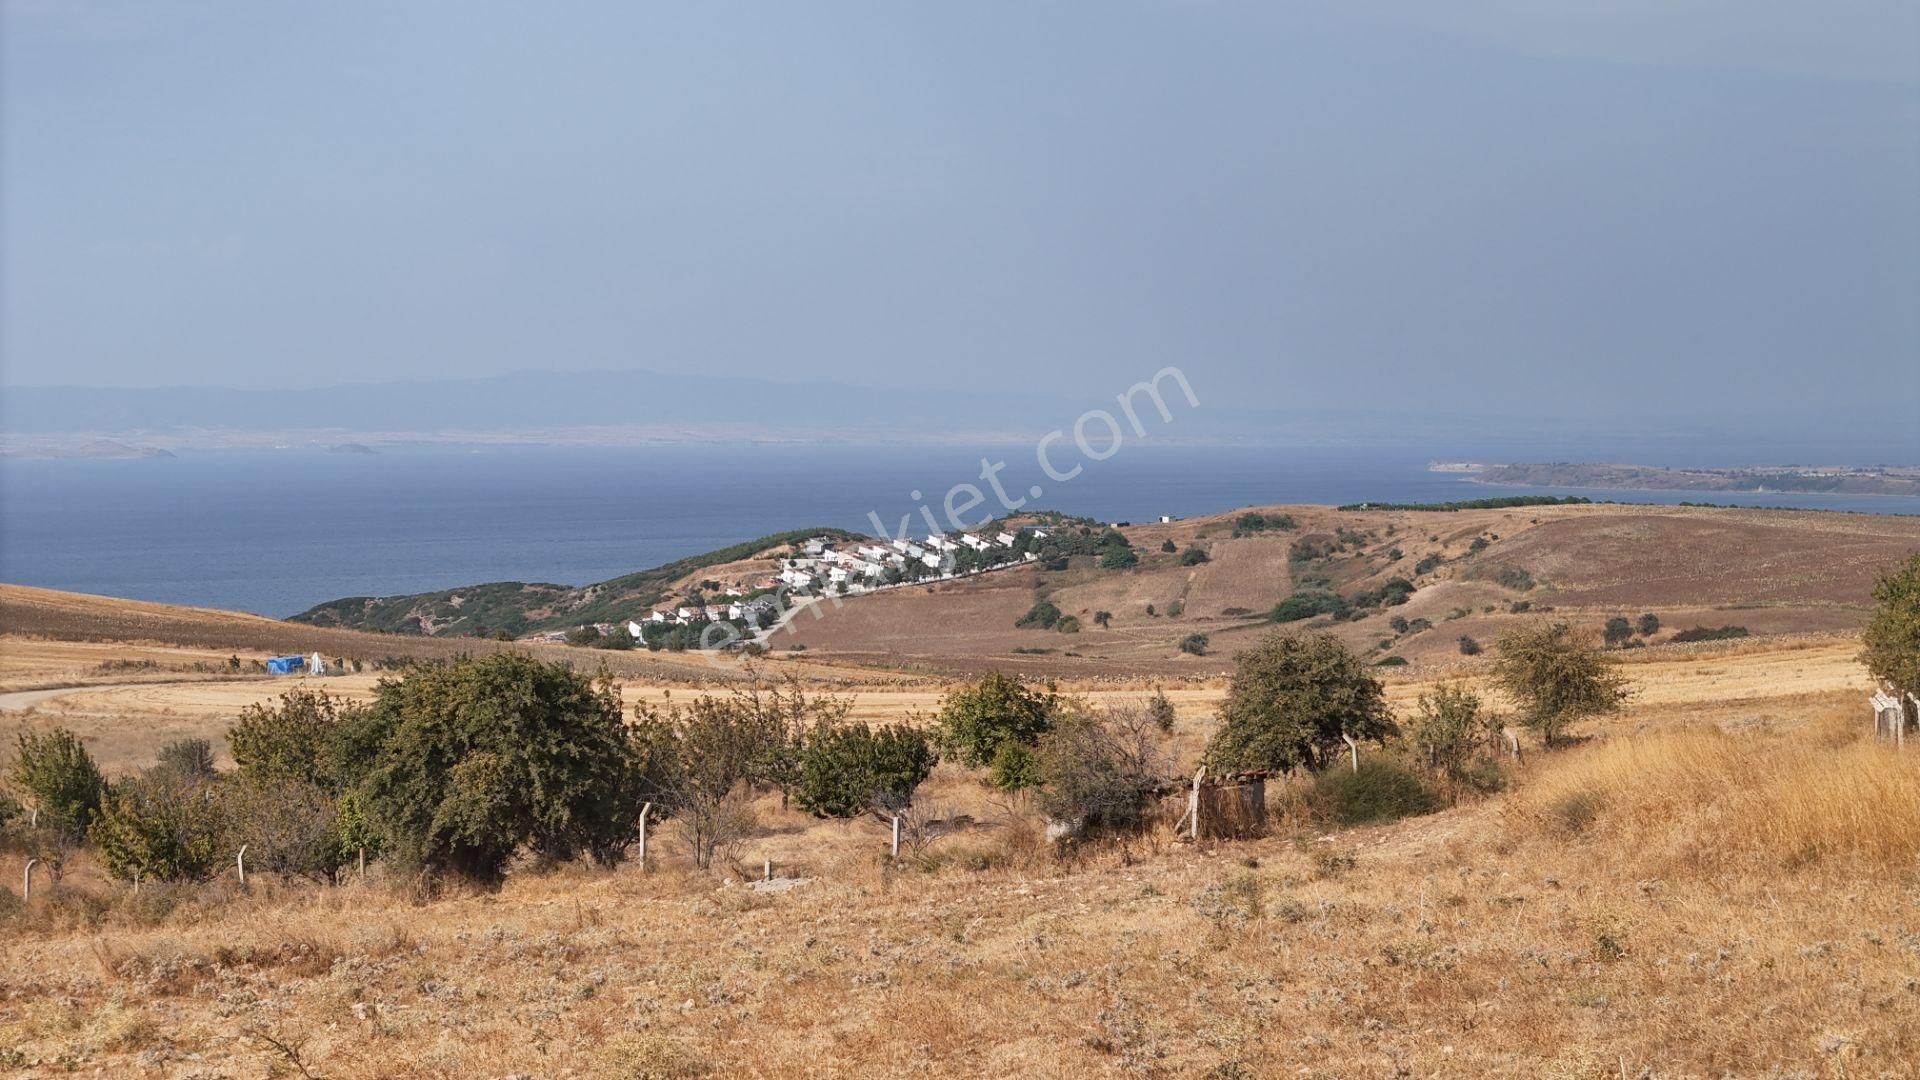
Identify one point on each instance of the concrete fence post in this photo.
(1353, 750)
(896, 836)
(644, 811)
(240, 863)
(26, 880)
(1193, 804)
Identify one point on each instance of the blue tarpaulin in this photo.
(286, 665)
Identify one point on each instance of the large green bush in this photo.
(848, 769)
(467, 763)
(1292, 698)
(978, 719)
(1380, 790)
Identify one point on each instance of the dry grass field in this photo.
(1676, 903)
(1723, 880)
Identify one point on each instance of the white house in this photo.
(904, 546)
(1005, 539)
(941, 543)
(660, 617)
(973, 541)
(687, 614)
(635, 629)
(930, 559)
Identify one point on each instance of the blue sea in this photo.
(277, 531)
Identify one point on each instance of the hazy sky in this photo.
(1586, 207)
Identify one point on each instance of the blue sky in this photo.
(1668, 207)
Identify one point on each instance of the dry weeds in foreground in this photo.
(1708, 917)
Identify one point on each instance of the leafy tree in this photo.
(1892, 639)
(165, 824)
(1118, 557)
(1429, 564)
(1306, 605)
(1648, 625)
(1102, 618)
(1042, 615)
(1556, 679)
(1398, 623)
(1468, 646)
(1291, 699)
(1193, 556)
(848, 769)
(977, 720)
(1068, 624)
(1618, 630)
(54, 770)
(1168, 546)
(1194, 644)
(1101, 768)
(470, 761)
(293, 740)
(290, 827)
(583, 635)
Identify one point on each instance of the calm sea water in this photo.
(276, 532)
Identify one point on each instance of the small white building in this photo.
(1005, 539)
(973, 541)
(634, 629)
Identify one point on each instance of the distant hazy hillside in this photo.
(1848, 481)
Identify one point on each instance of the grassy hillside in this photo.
(523, 607)
(1471, 572)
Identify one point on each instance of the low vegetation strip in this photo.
(1496, 503)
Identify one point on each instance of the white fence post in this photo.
(1353, 750)
(896, 836)
(644, 811)
(240, 862)
(1193, 804)
(26, 880)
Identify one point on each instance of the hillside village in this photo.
(825, 565)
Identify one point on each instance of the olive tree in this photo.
(1293, 701)
(63, 786)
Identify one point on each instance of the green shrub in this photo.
(161, 825)
(1118, 557)
(847, 769)
(466, 763)
(1168, 546)
(1648, 624)
(1428, 564)
(1041, 616)
(1468, 646)
(188, 758)
(1291, 699)
(1194, 644)
(1391, 661)
(978, 719)
(298, 739)
(1712, 633)
(1617, 631)
(1306, 605)
(1253, 522)
(1068, 624)
(1193, 556)
(1515, 578)
(1014, 767)
(1381, 790)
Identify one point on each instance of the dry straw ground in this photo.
(1708, 889)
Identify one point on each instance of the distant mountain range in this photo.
(624, 405)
